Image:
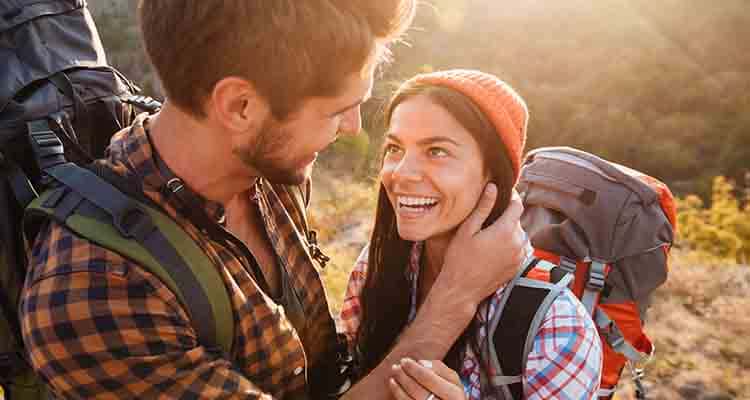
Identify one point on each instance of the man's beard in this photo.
(266, 156)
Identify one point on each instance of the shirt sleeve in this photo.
(351, 308)
(96, 325)
(565, 361)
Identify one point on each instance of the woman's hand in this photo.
(413, 380)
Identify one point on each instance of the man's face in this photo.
(284, 151)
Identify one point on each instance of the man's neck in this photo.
(198, 155)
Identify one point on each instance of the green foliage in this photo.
(349, 153)
(721, 230)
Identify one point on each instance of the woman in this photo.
(450, 134)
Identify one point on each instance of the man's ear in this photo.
(235, 105)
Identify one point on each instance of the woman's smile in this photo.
(415, 207)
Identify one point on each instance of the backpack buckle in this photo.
(47, 147)
(567, 265)
(133, 223)
(597, 275)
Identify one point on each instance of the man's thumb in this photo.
(473, 223)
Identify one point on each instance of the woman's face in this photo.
(433, 170)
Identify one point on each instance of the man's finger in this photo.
(483, 209)
(510, 217)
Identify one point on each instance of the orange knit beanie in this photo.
(504, 108)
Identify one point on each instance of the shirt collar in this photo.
(132, 153)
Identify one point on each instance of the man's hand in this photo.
(479, 261)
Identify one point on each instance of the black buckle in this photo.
(47, 147)
(133, 223)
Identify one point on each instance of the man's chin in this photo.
(296, 177)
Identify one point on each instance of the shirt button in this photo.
(298, 370)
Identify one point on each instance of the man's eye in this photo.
(437, 152)
(391, 149)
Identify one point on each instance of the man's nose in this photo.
(351, 124)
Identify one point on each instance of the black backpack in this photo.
(56, 90)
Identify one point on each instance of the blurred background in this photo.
(660, 86)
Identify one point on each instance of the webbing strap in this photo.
(594, 285)
(19, 183)
(132, 222)
(605, 392)
(615, 338)
(504, 380)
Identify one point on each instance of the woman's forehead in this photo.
(420, 119)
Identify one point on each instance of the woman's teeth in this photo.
(416, 202)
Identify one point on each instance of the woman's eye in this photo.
(437, 152)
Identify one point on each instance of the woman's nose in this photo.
(409, 168)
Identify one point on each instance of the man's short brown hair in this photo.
(288, 49)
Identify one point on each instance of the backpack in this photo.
(57, 94)
(600, 229)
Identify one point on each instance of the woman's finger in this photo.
(397, 391)
(430, 381)
(411, 386)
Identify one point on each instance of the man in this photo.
(255, 90)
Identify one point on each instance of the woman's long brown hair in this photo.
(385, 296)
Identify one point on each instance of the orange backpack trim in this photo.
(626, 315)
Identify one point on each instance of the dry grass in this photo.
(699, 321)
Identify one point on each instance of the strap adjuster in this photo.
(46, 145)
(133, 223)
(596, 276)
(567, 265)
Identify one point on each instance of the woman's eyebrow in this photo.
(426, 141)
(437, 139)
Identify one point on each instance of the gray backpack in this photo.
(603, 231)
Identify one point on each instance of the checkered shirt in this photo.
(98, 325)
(565, 361)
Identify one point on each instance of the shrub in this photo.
(721, 230)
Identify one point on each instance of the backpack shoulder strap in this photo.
(96, 210)
(512, 333)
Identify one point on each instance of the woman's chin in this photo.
(412, 233)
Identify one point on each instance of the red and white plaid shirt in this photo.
(565, 361)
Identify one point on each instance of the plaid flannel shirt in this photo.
(565, 361)
(98, 325)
